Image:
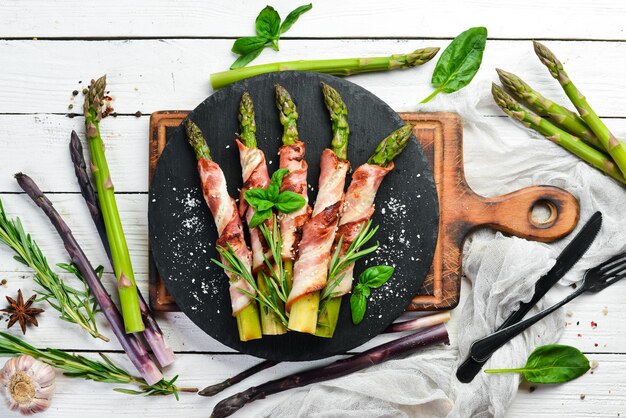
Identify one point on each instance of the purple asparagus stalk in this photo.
(217, 388)
(152, 332)
(376, 355)
(423, 320)
(129, 342)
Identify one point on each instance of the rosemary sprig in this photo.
(234, 265)
(78, 366)
(278, 276)
(339, 263)
(76, 306)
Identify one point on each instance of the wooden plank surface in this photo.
(37, 78)
(574, 19)
(151, 75)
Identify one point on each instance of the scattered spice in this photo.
(75, 93)
(138, 114)
(594, 325)
(573, 285)
(85, 91)
(605, 310)
(21, 311)
(3, 282)
(532, 389)
(582, 396)
(71, 106)
(569, 313)
(594, 364)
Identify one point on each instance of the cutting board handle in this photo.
(513, 213)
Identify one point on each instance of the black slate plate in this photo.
(183, 235)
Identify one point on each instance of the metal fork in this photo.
(594, 281)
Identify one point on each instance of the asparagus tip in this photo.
(196, 140)
(246, 120)
(548, 59)
(421, 56)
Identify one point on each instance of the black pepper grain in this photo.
(138, 114)
(75, 93)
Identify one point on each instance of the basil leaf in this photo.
(268, 23)
(376, 276)
(277, 177)
(258, 217)
(551, 364)
(293, 17)
(244, 60)
(257, 198)
(357, 306)
(460, 62)
(273, 191)
(288, 202)
(244, 46)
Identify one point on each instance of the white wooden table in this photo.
(158, 55)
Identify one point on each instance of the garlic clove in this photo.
(27, 384)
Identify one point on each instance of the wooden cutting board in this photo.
(461, 209)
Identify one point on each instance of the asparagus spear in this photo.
(560, 116)
(339, 118)
(288, 115)
(129, 342)
(248, 318)
(393, 349)
(571, 143)
(124, 274)
(615, 147)
(152, 334)
(424, 320)
(388, 149)
(304, 310)
(341, 67)
(292, 158)
(269, 323)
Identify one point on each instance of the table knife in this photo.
(564, 262)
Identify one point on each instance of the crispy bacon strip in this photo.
(318, 234)
(292, 158)
(229, 227)
(254, 174)
(358, 208)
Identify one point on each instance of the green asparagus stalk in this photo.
(304, 312)
(124, 274)
(615, 147)
(340, 67)
(269, 323)
(571, 143)
(288, 115)
(562, 117)
(388, 149)
(339, 118)
(248, 319)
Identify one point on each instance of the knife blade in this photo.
(564, 262)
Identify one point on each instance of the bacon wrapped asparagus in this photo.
(230, 231)
(291, 158)
(255, 175)
(318, 234)
(358, 208)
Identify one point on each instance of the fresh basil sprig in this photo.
(551, 364)
(460, 62)
(372, 278)
(263, 200)
(268, 30)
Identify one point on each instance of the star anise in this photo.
(22, 312)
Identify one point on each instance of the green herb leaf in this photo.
(460, 62)
(551, 364)
(288, 202)
(257, 198)
(376, 276)
(273, 190)
(277, 177)
(244, 60)
(244, 46)
(357, 305)
(293, 17)
(268, 23)
(259, 216)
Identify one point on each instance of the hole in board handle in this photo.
(543, 213)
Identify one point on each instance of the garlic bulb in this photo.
(27, 384)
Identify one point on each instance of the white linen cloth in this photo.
(500, 273)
